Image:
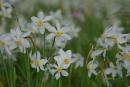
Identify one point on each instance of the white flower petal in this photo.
(58, 75)
(66, 37)
(40, 15)
(50, 37)
(64, 73)
(35, 19)
(38, 56)
(58, 26)
(49, 27)
(43, 61)
(47, 18)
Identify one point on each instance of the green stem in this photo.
(89, 54)
(53, 42)
(69, 82)
(44, 45)
(36, 79)
(5, 70)
(28, 70)
(60, 83)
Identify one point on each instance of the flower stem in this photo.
(53, 42)
(60, 83)
(89, 54)
(28, 71)
(69, 82)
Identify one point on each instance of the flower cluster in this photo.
(111, 54)
(53, 34)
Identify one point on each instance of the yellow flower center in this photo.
(58, 34)
(127, 58)
(59, 69)
(18, 42)
(36, 62)
(1, 43)
(66, 61)
(40, 23)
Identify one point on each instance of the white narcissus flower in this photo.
(37, 62)
(5, 42)
(91, 66)
(114, 70)
(64, 57)
(59, 69)
(112, 31)
(38, 23)
(59, 34)
(6, 9)
(19, 39)
(78, 60)
(110, 37)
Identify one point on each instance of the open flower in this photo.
(37, 62)
(111, 36)
(59, 34)
(19, 39)
(64, 57)
(5, 42)
(59, 69)
(38, 23)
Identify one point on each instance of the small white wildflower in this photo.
(59, 69)
(59, 34)
(5, 42)
(64, 57)
(111, 36)
(38, 23)
(37, 62)
(19, 39)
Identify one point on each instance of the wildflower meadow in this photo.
(64, 43)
